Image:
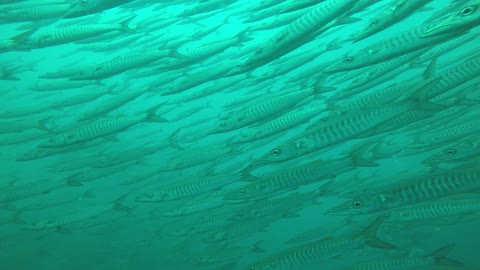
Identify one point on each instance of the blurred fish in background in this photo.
(259, 135)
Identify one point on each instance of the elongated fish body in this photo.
(448, 134)
(34, 13)
(29, 190)
(279, 124)
(460, 151)
(394, 13)
(414, 190)
(436, 258)
(84, 7)
(408, 41)
(118, 65)
(281, 19)
(277, 207)
(73, 216)
(333, 132)
(432, 210)
(113, 159)
(96, 129)
(196, 206)
(297, 33)
(111, 102)
(297, 176)
(445, 47)
(41, 39)
(259, 112)
(453, 77)
(317, 251)
(238, 229)
(188, 188)
(467, 17)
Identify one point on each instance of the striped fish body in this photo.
(292, 178)
(448, 134)
(461, 151)
(431, 210)
(394, 13)
(414, 190)
(196, 206)
(29, 190)
(187, 189)
(111, 102)
(67, 35)
(279, 124)
(331, 133)
(96, 129)
(239, 229)
(296, 257)
(276, 207)
(194, 157)
(298, 32)
(454, 77)
(35, 13)
(263, 110)
(118, 65)
(109, 160)
(397, 45)
(74, 216)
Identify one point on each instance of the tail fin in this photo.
(369, 235)
(124, 25)
(152, 114)
(440, 256)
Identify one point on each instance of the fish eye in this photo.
(373, 23)
(466, 11)
(83, 2)
(149, 195)
(52, 139)
(357, 204)
(259, 51)
(386, 216)
(242, 191)
(450, 152)
(221, 124)
(348, 60)
(275, 152)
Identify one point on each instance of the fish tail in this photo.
(23, 37)
(118, 205)
(173, 139)
(8, 74)
(369, 235)
(362, 156)
(152, 115)
(440, 256)
(125, 27)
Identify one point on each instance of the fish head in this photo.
(223, 126)
(55, 141)
(352, 61)
(103, 161)
(152, 197)
(40, 224)
(283, 152)
(245, 136)
(451, 153)
(372, 27)
(467, 17)
(217, 237)
(262, 266)
(357, 206)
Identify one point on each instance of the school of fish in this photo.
(240, 135)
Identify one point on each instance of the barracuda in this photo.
(296, 257)
(413, 190)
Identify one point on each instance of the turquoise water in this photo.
(116, 150)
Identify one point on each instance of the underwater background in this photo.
(212, 134)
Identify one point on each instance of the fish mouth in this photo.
(445, 27)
